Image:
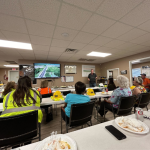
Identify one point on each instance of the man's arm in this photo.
(89, 77)
(148, 83)
(95, 76)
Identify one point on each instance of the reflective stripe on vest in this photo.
(20, 109)
(33, 107)
(48, 90)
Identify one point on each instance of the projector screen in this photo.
(46, 70)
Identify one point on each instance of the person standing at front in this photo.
(92, 78)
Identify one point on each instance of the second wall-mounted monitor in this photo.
(46, 70)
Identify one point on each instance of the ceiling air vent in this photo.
(71, 51)
(90, 59)
(82, 59)
(11, 62)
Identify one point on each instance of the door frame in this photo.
(12, 71)
(112, 70)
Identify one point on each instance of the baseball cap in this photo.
(143, 74)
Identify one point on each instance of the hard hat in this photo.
(132, 87)
(90, 92)
(57, 96)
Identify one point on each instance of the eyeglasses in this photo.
(146, 116)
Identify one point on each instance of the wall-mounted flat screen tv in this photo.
(46, 70)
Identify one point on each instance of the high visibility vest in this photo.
(45, 91)
(10, 110)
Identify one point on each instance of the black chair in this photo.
(18, 129)
(125, 106)
(1, 100)
(47, 106)
(80, 114)
(144, 100)
(66, 92)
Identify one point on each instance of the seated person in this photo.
(138, 88)
(10, 86)
(44, 88)
(114, 100)
(23, 97)
(77, 98)
(111, 85)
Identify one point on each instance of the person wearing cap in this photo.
(92, 78)
(138, 87)
(146, 82)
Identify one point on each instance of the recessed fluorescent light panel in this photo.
(15, 66)
(98, 54)
(18, 45)
(135, 61)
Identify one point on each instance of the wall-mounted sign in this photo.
(123, 72)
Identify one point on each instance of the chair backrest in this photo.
(96, 90)
(1, 100)
(47, 95)
(81, 113)
(66, 92)
(19, 128)
(144, 100)
(126, 104)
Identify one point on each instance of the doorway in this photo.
(13, 75)
(113, 73)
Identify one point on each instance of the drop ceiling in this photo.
(120, 27)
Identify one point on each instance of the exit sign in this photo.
(13, 68)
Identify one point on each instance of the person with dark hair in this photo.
(23, 98)
(111, 85)
(10, 86)
(77, 98)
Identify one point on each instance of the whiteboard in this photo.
(86, 70)
(69, 79)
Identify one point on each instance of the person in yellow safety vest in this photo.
(22, 100)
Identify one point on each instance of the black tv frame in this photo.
(47, 77)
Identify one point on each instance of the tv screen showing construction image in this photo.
(46, 70)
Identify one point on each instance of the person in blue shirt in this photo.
(77, 98)
(114, 100)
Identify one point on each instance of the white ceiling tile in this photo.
(125, 46)
(41, 29)
(11, 23)
(57, 49)
(145, 26)
(90, 48)
(84, 37)
(106, 49)
(52, 59)
(66, 56)
(10, 7)
(97, 24)
(59, 31)
(114, 43)
(59, 43)
(141, 39)
(72, 17)
(100, 40)
(42, 48)
(138, 15)
(40, 40)
(138, 48)
(40, 53)
(116, 30)
(117, 8)
(132, 34)
(13, 36)
(76, 45)
(58, 54)
(91, 5)
(43, 11)
(2, 36)
(146, 43)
